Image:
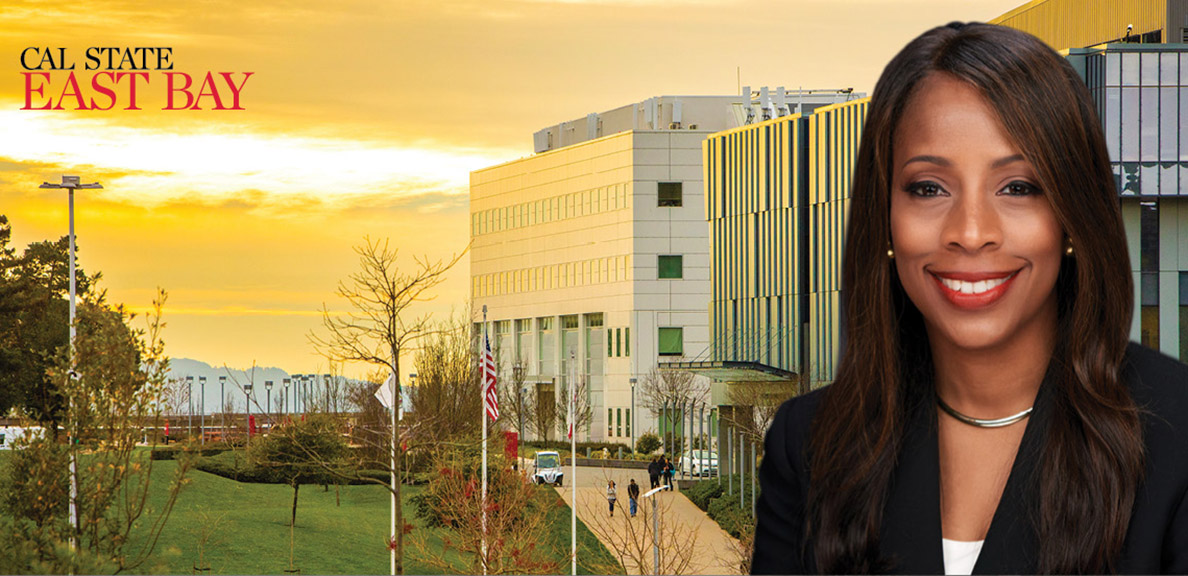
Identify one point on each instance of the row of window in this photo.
(1146, 68)
(553, 276)
(620, 345)
(615, 420)
(552, 209)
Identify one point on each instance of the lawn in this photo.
(343, 533)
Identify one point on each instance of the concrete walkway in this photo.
(710, 549)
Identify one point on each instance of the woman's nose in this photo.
(973, 223)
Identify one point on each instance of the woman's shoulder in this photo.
(791, 424)
(1158, 383)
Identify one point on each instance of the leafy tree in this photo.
(647, 443)
(112, 399)
(34, 324)
(308, 451)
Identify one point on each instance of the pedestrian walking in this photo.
(611, 496)
(632, 496)
(654, 473)
(667, 471)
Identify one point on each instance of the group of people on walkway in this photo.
(632, 496)
(660, 470)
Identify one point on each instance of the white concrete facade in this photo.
(566, 246)
(578, 232)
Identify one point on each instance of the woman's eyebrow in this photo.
(939, 161)
(1009, 159)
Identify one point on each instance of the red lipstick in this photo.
(977, 300)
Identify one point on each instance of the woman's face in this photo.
(977, 245)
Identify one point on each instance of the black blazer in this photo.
(1157, 540)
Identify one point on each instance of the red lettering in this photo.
(235, 90)
(170, 91)
(39, 90)
(132, 78)
(72, 83)
(208, 83)
(104, 90)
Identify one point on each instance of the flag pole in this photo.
(483, 415)
(573, 464)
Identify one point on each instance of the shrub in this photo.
(647, 443)
(702, 492)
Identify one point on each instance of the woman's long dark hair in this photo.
(1092, 456)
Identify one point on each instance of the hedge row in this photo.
(234, 465)
(723, 506)
(611, 447)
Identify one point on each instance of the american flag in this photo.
(490, 395)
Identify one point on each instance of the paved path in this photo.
(713, 551)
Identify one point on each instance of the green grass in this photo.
(249, 529)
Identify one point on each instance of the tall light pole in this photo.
(223, 403)
(297, 391)
(268, 401)
(247, 405)
(190, 401)
(70, 184)
(656, 526)
(631, 421)
(286, 382)
(202, 407)
(518, 378)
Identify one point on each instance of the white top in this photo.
(960, 557)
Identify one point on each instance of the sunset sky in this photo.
(364, 118)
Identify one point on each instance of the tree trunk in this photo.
(296, 487)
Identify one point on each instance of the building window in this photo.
(627, 341)
(618, 421)
(629, 424)
(668, 194)
(569, 322)
(1149, 278)
(610, 422)
(594, 320)
(670, 267)
(618, 342)
(671, 341)
(610, 347)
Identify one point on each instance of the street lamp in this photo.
(518, 378)
(190, 401)
(268, 401)
(247, 404)
(631, 423)
(656, 526)
(70, 184)
(223, 403)
(202, 407)
(286, 382)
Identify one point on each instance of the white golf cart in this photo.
(547, 468)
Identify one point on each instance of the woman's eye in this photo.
(925, 188)
(1020, 188)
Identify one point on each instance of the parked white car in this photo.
(699, 463)
(547, 469)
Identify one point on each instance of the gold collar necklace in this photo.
(979, 422)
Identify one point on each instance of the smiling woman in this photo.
(989, 415)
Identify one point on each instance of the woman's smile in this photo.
(977, 245)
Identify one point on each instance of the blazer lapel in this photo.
(1012, 544)
(911, 535)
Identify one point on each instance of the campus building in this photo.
(592, 255)
(1065, 24)
(777, 198)
(1139, 81)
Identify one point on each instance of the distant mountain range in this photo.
(233, 389)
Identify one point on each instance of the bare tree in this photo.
(583, 414)
(672, 387)
(543, 416)
(445, 401)
(763, 400)
(379, 327)
(517, 403)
